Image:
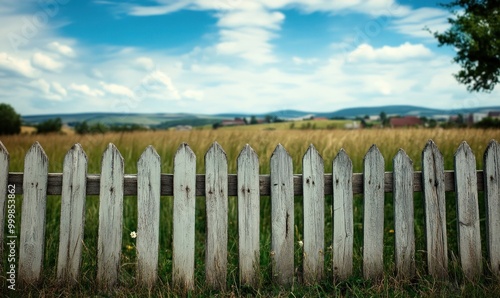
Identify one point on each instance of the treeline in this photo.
(85, 128)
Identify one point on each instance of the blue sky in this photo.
(218, 56)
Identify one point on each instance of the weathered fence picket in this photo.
(248, 216)
(469, 238)
(343, 223)
(74, 184)
(184, 217)
(282, 216)
(314, 215)
(492, 200)
(109, 241)
(32, 240)
(404, 232)
(435, 211)
(216, 210)
(4, 180)
(148, 216)
(72, 215)
(373, 217)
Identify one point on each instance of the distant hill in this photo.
(165, 120)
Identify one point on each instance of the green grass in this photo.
(296, 142)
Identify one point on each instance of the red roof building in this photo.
(234, 122)
(408, 121)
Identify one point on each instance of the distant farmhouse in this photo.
(407, 121)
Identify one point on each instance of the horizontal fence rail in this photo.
(282, 185)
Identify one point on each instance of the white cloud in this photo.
(193, 94)
(405, 51)
(11, 65)
(85, 90)
(62, 49)
(45, 62)
(304, 61)
(144, 63)
(416, 23)
(117, 90)
(52, 92)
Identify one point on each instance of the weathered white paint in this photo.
(435, 210)
(32, 241)
(314, 215)
(4, 178)
(109, 242)
(469, 237)
(282, 220)
(248, 217)
(343, 227)
(184, 217)
(373, 217)
(72, 215)
(217, 217)
(148, 219)
(492, 199)
(404, 230)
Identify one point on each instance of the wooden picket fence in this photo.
(74, 184)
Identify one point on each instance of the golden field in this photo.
(327, 142)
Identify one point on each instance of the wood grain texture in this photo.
(184, 218)
(4, 178)
(404, 231)
(148, 217)
(217, 217)
(32, 241)
(314, 215)
(282, 217)
(469, 237)
(492, 202)
(343, 223)
(373, 215)
(72, 215)
(109, 241)
(433, 181)
(248, 217)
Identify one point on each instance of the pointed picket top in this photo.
(36, 150)
(217, 148)
(3, 150)
(76, 150)
(247, 152)
(373, 152)
(311, 153)
(432, 152)
(492, 201)
(464, 149)
(149, 153)
(342, 156)
(112, 150)
(184, 151)
(279, 150)
(402, 157)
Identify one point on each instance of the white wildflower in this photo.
(133, 234)
(300, 243)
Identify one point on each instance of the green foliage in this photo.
(475, 33)
(48, 126)
(488, 123)
(11, 121)
(253, 120)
